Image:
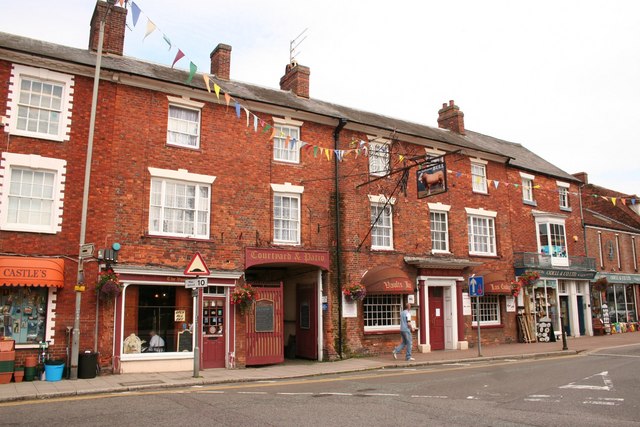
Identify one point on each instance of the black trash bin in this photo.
(87, 365)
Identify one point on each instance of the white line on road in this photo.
(608, 385)
(252, 392)
(472, 398)
(295, 394)
(429, 397)
(379, 394)
(614, 355)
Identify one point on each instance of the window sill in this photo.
(530, 203)
(565, 209)
(386, 332)
(500, 326)
(169, 144)
(482, 193)
(191, 239)
(485, 255)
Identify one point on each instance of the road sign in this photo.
(198, 282)
(86, 250)
(197, 267)
(476, 286)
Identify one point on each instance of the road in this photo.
(599, 389)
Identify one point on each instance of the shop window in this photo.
(24, 314)
(382, 312)
(489, 310)
(621, 303)
(155, 308)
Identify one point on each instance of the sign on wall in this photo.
(432, 180)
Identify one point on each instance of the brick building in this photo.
(612, 232)
(294, 196)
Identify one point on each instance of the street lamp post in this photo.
(75, 343)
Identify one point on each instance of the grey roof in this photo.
(521, 157)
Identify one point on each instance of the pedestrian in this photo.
(406, 329)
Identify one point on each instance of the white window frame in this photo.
(489, 307)
(292, 192)
(479, 176)
(22, 72)
(527, 188)
(394, 303)
(563, 195)
(379, 158)
(549, 220)
(378, 231)
(183, 177)
(488, 218)
(189, 105)
(440, 209)
(13, 161)
(283, 151)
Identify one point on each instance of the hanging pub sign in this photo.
(432, 180)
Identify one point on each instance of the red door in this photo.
(436, 318)
(306, 324)
(265, 327)
(213, 333)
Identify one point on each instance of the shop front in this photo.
(286, 319)
(28, 289)
(614, 300)
(154, 321)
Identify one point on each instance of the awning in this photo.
(387, 280)
(497, 283)
(31, 271)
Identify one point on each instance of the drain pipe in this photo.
(336, 137)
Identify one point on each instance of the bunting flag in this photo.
(166, 39)
(178, 57)
(135, 13)
(237, 109)
(613, 200)
(247, 113)
(121, 3)
(216, 89)
(227, 98)
(273, 134)
(255, 123)
(151, 27)
(192, 71)
(496, 183)
(205, 77)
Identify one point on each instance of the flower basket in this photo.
(528, 278)
(516, 287)
(243, 296)
(600, 284)
(108, 286)
(354, 292)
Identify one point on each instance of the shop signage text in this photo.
(620, 278)
(561, 274)
(256, 256)
(497, 288)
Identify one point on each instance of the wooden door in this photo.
(436, 318)
(306, 322)
(213, 333)
(265, 327)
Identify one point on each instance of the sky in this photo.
(560, 77)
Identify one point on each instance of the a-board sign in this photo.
(264, 316)
(185, 341)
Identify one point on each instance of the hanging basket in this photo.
(354, 292)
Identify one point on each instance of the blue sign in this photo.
(476, 286)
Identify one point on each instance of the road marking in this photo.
(542, 398)
(472, 398)
(295, 394)
(379, 394)
(615, 355)
(252, 392)
(609, 401)
(608, 385)
(429, 397)
(267, 381)
(212, 392)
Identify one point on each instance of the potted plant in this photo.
(600, 284)
(18, 374)
(108, 286)
(243, 296)
(354, 292)
(516, 286)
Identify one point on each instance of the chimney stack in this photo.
(115, 23)
(582, 176)
(296, 79)
(450, 117)
(221, 61)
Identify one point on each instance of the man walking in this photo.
(406, 328)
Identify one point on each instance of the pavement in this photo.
(114, 383)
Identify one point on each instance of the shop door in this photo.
(306, 324)
(564, 313)
(581, 326)
(265, 327)
(213, 323)
(436, 318)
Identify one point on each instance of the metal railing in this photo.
(536, 260)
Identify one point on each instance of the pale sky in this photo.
(559, 77)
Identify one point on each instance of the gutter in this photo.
(336, 180)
